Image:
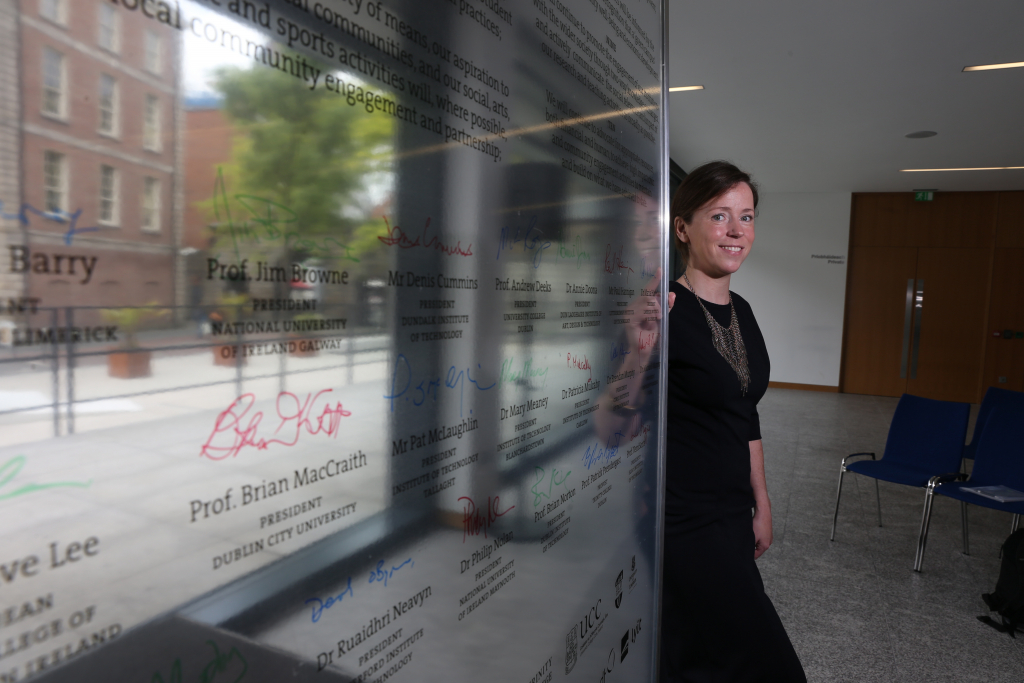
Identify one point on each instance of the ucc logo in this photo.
(592, 619)
(576, 640)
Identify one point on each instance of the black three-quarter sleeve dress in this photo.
(717, 623)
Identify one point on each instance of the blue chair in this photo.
(998, 460)
(993, 397)
(926, 438)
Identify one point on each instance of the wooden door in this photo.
(951, 331)
(875, 319)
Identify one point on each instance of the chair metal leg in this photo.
(839, 492)
(1015, 524)
(878, 499)
(926, 517)
(963, 523)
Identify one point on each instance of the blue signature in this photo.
(532, 239)
(380, 574)
(60, 216)
(645, 270)
(595, 453)
(620, 351)
(320, 605)
(429, 387)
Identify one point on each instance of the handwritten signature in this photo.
(648, 270)
(455, 378)
(268, 221)
(476, 521)
(646, 341)
(620, 351)
(379, 574)
(509, 373)
(319, 605)
(60, 216)
(218, 665)
(10, 469)
(231, 433)
(532, 240)
(574, 250)
(595, 453)
(574, 361)
(397, 237)
(552, 482)
(613, 262)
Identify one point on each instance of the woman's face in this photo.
(721, 232)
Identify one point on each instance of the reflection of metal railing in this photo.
(64, 355)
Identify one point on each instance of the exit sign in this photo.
(924, 195)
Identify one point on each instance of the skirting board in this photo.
(803, 387)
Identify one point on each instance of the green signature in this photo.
(269, 221)
(218, 665)
(9, 470)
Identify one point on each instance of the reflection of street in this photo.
(100, 401)
(142, 480)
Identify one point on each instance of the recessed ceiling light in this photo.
(986, 67)
(922, 134)
(686, 87)
(980, 168)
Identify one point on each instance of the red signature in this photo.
(236, 428)
(638, 428)
(580, 364)
(397, 236)
(646, 341)
(613, 261)
(476, 521)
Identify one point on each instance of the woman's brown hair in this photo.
(699, 187)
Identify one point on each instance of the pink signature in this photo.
(572, 360)
(397, 236)
(236, 428)
(476, 521)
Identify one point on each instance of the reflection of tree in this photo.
(299, 163)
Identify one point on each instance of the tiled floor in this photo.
(854, 608)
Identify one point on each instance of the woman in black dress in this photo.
(717, 622)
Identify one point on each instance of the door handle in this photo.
(918, 311)
(908, 319)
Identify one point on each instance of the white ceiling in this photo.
(817, 95)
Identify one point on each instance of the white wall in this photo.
(797, 297)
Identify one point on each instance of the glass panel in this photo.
(366, 383)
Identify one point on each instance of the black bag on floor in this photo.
(1008, 598)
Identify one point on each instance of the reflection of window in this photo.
(108, 104)
(108, 195)
(108, 28)
(54, 10)
(151, 124)
(54, 181)
(151, 205)
(53, 82)
(152, 52)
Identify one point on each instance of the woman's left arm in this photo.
(762, 506)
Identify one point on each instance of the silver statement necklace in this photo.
(727, 340)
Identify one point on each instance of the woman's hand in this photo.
(762, 530)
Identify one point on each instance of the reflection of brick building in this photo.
(99, 156)
(208, 141)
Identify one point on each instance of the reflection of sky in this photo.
(202, 58)
(200, 61)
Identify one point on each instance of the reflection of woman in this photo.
(718, 623)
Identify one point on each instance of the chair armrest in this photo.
(940, 479)
(855, 455)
